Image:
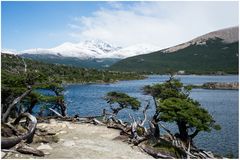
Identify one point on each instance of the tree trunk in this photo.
(182, 127)
(32, 104)
(63, 108)
(154, 128)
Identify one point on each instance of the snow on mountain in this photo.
(9, 51)
(134, 50)
(228, 35)
(82, 50)
(94, 49)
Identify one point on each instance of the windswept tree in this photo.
(118, 101)
(174, 105)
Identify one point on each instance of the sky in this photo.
(46, 24)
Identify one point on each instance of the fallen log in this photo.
(155, 154)
(8, 142)
(26, 149)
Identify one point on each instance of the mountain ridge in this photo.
(91, 49)
(210, 53)
(228, 35)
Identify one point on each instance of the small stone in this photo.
(53, 121)
(63, 125)
(46, 153)
(3, 154)
(16, 155)
(63, 132)
(75, 138)
(44, 146)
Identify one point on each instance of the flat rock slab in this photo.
(89, 142)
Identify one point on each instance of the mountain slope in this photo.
(213, 52)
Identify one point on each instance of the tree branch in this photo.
(15, 101)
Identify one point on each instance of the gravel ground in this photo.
(84, 141)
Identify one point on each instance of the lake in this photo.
(87, 100)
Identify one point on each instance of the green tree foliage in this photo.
(122, 100)
(173, 104)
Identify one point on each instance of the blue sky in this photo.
(40, 24)
(27, 25)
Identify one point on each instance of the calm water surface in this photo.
(222, 104)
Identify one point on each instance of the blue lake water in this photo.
(87, 100)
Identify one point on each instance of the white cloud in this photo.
(74, 26)
(159, 23)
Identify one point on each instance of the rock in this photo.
(63, 125)
(16, 155)
(46, 153)
(53, 121)
(62, 132)
(45, 139)
(221, 85)
(44, 147)
(3, 154)
(75, 138)
(68, 143)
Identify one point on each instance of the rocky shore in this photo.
(221, 85)
(218, 85)
(73, 140)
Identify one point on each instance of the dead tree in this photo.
(12, 105)
(8, 142)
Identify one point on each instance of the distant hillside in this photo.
(12, 71)
(72, 61)
(215, 52)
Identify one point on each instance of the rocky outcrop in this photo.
(221, 85)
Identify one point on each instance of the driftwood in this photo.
(26, 149)
(8, 142)
(155, 154)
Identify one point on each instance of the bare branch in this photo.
(54, 111)
(15, 101)
(145, 113)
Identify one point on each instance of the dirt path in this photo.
(85, 141)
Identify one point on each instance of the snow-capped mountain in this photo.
(9, 51)
(83, 50)
(134, 50)
(93, 49)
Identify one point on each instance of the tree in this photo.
(173, 104)
(122, 100)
